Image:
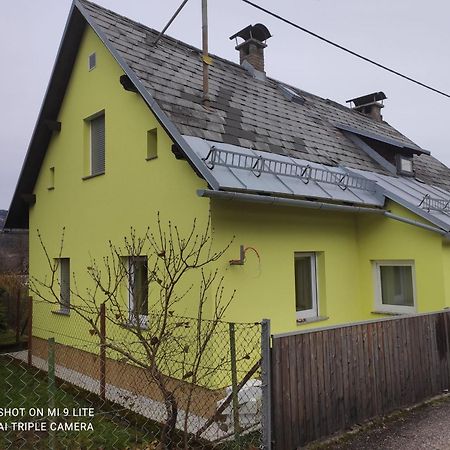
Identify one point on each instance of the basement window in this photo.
(405, 165)
(152, 144)
(305, 286)
(395, 287)
(138, 290)
(92, 61)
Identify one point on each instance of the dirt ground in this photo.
(424, 427)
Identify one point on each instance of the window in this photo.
(64, 283)
(395, 290)
(92, 61)
(51, 181)
(152, 144)
(305, 286)
(404, 165)
(97, 138)
(138, 289)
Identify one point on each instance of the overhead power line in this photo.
(334, 44)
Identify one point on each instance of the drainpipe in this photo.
(416, 223)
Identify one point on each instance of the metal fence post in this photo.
(51, 386)
(234, 382)
(30, 331)
(102, 351)
(18, 315)
(266, 416)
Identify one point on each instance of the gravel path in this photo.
(426, 427)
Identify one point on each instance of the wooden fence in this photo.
(326, 380)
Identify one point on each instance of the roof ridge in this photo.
(166, 37)
(180, 43)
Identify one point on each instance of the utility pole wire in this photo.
(334, 44)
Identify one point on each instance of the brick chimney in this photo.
(370, 105)
(251, 50)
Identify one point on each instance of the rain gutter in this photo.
(269, 200)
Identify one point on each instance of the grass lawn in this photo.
(23, 387)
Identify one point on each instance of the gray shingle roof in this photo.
(245, 111)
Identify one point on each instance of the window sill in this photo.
(391, 313)
(307, 320)
(93, 176)
(130, 325)
(62, 312)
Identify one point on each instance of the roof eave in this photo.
(78, 17)
(18, 211)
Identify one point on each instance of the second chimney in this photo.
(370, 105)
(252, 48)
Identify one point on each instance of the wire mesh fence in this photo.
(13, 311)
(164, 382)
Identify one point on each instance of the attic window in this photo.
(152, 144)
(51, 181)
(92, 61)
(405, 165)
(97, 126)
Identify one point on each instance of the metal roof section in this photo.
(243, 169)
(428, 202)
(382, 138)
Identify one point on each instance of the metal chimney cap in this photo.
(258, 32)
(367, 99)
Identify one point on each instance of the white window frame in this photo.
(398, 309)
(64, 304)
(143, 318)
(314, 311)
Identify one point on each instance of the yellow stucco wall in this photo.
(103, 208)
(131, 191)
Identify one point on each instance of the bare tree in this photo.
(160, 269)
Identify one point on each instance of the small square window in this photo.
(152, 144)
(138, 289)
(64, 283)
(92, 61)
(97, 141)
(405, 165)
(305, 286)
(395, 290)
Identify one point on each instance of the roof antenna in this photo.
(206, 58)
(170, 22)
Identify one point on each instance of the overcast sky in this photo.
(410, 36)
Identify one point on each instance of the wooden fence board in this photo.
(326, 380)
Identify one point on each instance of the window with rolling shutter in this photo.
(98, 145)
(64, 281)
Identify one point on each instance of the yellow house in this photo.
(336, 216)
